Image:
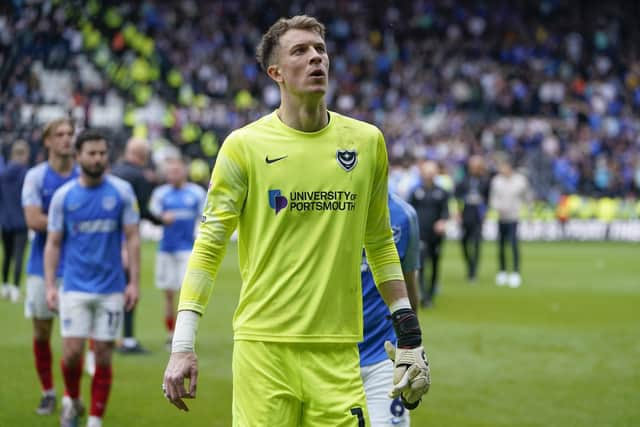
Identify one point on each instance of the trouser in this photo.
(429, 253)
(508, 235)
(14, 243)
(471, 238)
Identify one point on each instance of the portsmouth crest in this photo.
(109, 202)
(347, 159)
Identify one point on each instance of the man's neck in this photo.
(88, 181)
(61, 164)
(306, 117)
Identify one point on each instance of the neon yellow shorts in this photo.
(297, 384)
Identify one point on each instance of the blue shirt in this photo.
(40, 183)
(186, 203)
(92, 221)
(11, 213)
(377, 326)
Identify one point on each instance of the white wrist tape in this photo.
(399, 304)
(184, 335)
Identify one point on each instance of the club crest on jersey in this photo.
(108, 203)
(347, 159)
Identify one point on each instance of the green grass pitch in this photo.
(563, 350)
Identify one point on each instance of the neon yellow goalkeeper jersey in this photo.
(305, 204)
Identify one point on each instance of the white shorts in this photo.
(170, 269)
(87, 315)
(35, 301)
(383, 411)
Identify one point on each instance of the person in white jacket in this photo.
(509, 192)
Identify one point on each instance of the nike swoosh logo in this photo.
(269, 161)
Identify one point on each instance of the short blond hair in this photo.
(271, 39)
(50, 127)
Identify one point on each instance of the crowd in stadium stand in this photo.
(555, 86)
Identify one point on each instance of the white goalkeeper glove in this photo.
(411, 374)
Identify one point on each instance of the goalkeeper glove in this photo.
(411, 376)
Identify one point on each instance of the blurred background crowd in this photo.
(553, 84)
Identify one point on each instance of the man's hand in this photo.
(181, 365)
(411, 374)
(440, 227)
(168, 218)
(131, 295)
(52, 298)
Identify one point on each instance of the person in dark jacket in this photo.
(132, 169)
(473, 199)
(12, 222)
(431, 204)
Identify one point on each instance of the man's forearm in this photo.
(405, 321)
(411, 280)
(392, 291)
(133, 253)
(184, 336)
(36, 220)
(51, 260)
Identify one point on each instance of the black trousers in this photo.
(508, 235)
(430, 251)
(14, 243)
(471, 238)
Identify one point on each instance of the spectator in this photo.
(431, 204)
(509, 192)
(12, 222)
(132, 170)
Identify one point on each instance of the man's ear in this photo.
(274, 72)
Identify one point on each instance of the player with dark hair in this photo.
(88, 217)
(40, 184)
(307, 189)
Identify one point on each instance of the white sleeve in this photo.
(32, 188)
(131, 211)
(155, 203)
(56, 212)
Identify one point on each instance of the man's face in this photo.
(302, 64)
(476, 166)
(93, 158)
(176, 173)
(505, 168)
(59, 141)
(428, 171)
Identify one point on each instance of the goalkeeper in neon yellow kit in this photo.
(307, 189)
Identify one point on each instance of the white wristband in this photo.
(184, 336)
(399, 304)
